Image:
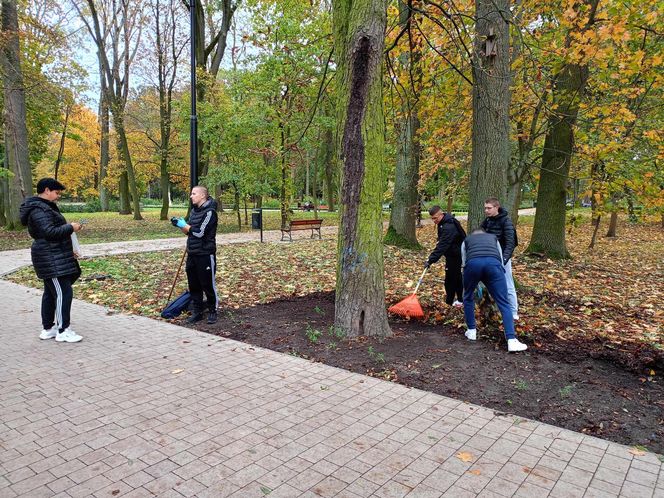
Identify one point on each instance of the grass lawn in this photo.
(112, 227)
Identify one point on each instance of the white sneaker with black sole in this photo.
(471, 334)
(49, 333)
(68, 335)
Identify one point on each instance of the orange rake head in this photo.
(408, 308)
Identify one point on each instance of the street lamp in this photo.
(193, 120)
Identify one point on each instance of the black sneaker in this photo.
(194, 318)
(212, 317)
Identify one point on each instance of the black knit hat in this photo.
(49, 183)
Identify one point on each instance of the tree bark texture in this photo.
(549, 229)
(359, 28)
(491, 101)
(613, 224)
(15, 129)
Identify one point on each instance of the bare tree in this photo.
(122, 20)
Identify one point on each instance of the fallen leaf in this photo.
(178, 370)
(464, 456)
(637, 452)
(475, 472)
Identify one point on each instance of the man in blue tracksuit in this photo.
(201, 267)
(482, 260)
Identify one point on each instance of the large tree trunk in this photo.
(549, 229)
(15, 132)
(285, 187)
(405, 202)
(491, 100)
(403, 216)
(568, 88)
(359, 29)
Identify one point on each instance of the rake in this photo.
(410, 306)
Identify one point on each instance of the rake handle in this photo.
(419, 282)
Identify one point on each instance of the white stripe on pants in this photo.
(511, 290)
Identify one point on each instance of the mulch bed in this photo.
(583, 386)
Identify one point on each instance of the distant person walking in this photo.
(53, 258)
(450, 236)
(201, 267)
(482, 262)
(498, 223)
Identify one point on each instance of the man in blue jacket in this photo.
(482, 260)
(201, 267)
(450, 236)
(53, 258)
(498, 223)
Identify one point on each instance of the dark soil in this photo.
(584, 387)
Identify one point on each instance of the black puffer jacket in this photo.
(502, 227)
(201, 239)
(52, 253)
(450, 238)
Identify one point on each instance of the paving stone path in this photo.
(143, 408)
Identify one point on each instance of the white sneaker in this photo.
(471, 334)
(68, 335)
(457, 304)
(49, 334)
(514, 345)
(515, 316)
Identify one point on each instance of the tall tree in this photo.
(14, 117)
(569, 86)
(213, 22)
(359, 32)
(122, 20)
(405, 202)
(491, 101)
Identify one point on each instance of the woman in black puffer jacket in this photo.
(53, 258)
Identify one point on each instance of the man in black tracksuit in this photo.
(450, 237)
(53, 258)
(201, 231)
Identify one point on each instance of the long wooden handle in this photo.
(176, 276)
(419, 282)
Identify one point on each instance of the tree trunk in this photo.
(329, 168)
(284, 190)
(117, 112)
(595, 230)
(104, 147)
(569, 86)
(491, 100)
(61, 149)
(513, 200)
(123, 189)
(405, 202)
(14, 118)
(549, 230)
(359, 29)
(403, 215)
(237, 208)
(613, 224)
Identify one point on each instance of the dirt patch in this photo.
(581, 386)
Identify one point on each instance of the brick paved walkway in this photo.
(145, 408)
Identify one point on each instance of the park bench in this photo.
(301, 225)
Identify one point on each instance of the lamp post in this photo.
(193, 120)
